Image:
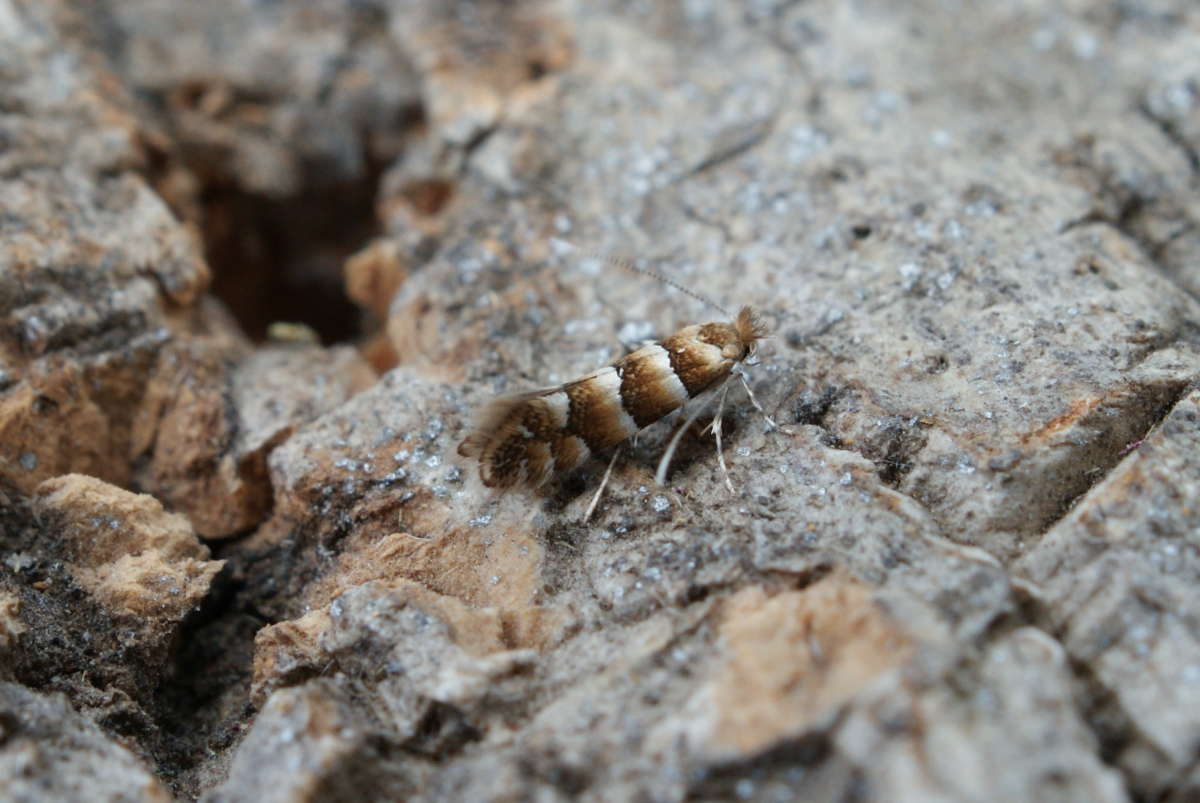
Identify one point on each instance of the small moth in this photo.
(527, 438)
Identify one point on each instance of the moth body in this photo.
(527, 438)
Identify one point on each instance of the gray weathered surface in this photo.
(52, 753)
(963, 568)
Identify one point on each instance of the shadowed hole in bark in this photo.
(811, 406)
(782, 768)
(443, 732)
(893, 450)
(555, 771)
(281, 259)
(429, 196)
(278, 258)
(1151, 406)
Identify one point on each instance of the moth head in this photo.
(750, 328)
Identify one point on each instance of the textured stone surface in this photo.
(962, 568)
(307, 745)
(215, 423)
(52, 753)
(794, 659)
(101, 585)
(1117, 579)
(1016, 734)
(94, 271)
(124, 550)
(262, 98)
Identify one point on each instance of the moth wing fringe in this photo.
(492, 416)
(494, 425)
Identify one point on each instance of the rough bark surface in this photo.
(238, 564)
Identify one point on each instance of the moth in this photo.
(527, 438)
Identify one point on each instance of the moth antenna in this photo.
(629, 265)
(632, 267)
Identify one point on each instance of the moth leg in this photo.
(603, 484)
(660, 476)
(715, 426)
(754, 401)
